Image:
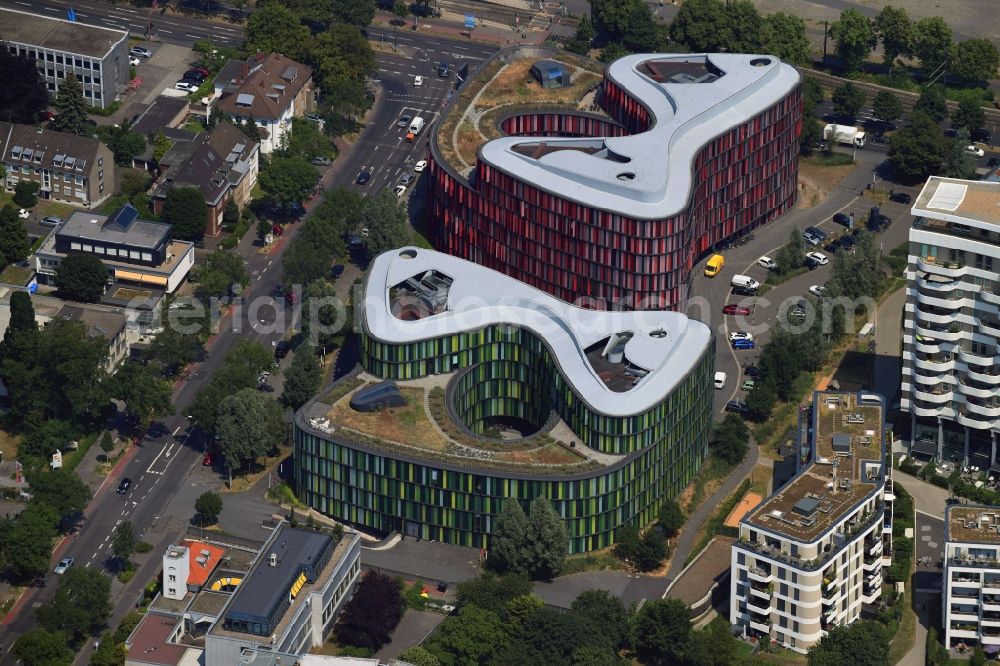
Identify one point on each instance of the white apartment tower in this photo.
(971, 599)
(811, 555)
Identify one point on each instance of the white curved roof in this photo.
(684, 117)
(480, 297)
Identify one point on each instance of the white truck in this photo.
(845, 134)
(416, 125)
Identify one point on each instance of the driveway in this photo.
(411, 630)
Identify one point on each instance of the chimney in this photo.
(260, 55)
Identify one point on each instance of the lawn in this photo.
(131, 294)
(8, 445)
(408, 425)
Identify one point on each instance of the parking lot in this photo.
(159, 73)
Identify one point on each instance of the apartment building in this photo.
(971, 599)
(951, 330)
(268, 90)
(811, 555)
(77, 170)
(97, 56)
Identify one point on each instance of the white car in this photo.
(817, 290)
(818, 257)
(420, 166)
(186, 86)
(63, 566)
(768, 263)
(400, 190)
(23, 214)
(418, 80)
(973, 150)
(740, 335)
(133, 60)
(720, 380)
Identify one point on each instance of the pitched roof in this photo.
(98, 322)
(158, 115)
(58, 150)
(207, 162)
(149, 641)
(204, 558)
(262, 86)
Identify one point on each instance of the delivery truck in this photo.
(845, 134)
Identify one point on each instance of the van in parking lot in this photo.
(714, 265)
(744, 281)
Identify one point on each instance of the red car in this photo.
(733, 309)
(201, 70)
(207, 460)
(277, 230)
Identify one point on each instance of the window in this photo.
(88, 248)
(97, 66)
(112, 252)
(100, 161)
(984, 262)
(133, 254)
(100, 175)
(59, 60)
(97, 94)
(100, 187)
(97, 80)
(51, 73)
(77, 62)
(171, 578)
(146, 256)
(98, 249)
(74, 246)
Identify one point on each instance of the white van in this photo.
(745, 281)
(416, 125)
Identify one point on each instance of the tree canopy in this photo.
(895, 30)
(123, 542)
(303, 377)
(848, 100)
(886, 106)
(372, 613)
(14, 245)
(931, 42)
(629, 23)
(864, 643)
(81, 606)
(220, 270)
(969, 115)
(61, 490)
(918, 151)
(854, 35)
(146, 395)
(248, 426)
(974, 60)
(662, 630)
(28, 544)
(185, 209)
(81, 276)
(70, 107)
(534, 545)
(288, 180)
(23, 95)
(40, 647)
(209, 506)
(386, 222)
(731, 439)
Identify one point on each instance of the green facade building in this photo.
(513, 394)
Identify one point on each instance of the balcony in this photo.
(976, 391)
(936, 324)
(935, 364)
(991, 296)
(977, 358)
(991, 376)
(970, 235)
(937, 395)
(759, 574)
(990, 326)
(990, 411)
(760, 624)
(947, 269)
(958, 577)
(762, 608)
(764, 591)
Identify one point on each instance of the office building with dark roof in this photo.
(97, 56)
(73, 169)
(612, 185)
(510, 394)
(811, 555)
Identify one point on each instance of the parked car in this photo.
(404, 120)
(281, 349)
(901, 197)
(186, 86)
(201, 70)
(817, 290)
(123, 487)
(51, 221)
(400, 190)
(737, 406)
(207, 460)
(320, 161)
(980, 135)
(740, 335)
(407, 179)
(848, 241)
(842, 218)
(194, 75)
(880, 139)
(833, 247)
(337, 271)
(820, 258)
(140, 51)
(291, 297)
(744, 291)
(277, 229)
(768, 263)
(363, 177)
(994, 162)
(975, 150)
(720, 380)
(743, 344)
(810, 239)
(752, 371)
(420, 166)
(134, 60)
(23, 214)
(418, 80)
(816, 232)
(733, 309)
(748, 385)
(63, 566)
(278, 291)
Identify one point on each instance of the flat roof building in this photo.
(951, 325)
(811, 554)
(604, 413)
(971, 596)
(97, 56)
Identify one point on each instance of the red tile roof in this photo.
(199, 571)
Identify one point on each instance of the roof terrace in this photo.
(974, 524)
(847, 468)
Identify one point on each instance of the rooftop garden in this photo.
(472, 120)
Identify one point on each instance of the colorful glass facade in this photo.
(742, 179)
(508, 372)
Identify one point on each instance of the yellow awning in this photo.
(127, 275)
(298, 585)
(154, 279)
(140, 277)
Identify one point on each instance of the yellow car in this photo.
(714, 265)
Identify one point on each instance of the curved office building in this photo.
(614, 200)
(511, 394)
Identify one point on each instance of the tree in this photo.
(81, 276)
(761, 400)
(712, 646)
(109, 653)
(357, 13)
(126, 146)
(547, 540)
(611, 52)
(584, 37)
(26, 193)
(519, 610)
(492, 592)
(746, 27)
(864, 643)
(324, 316)
(288, 180)
(508, 544)
(185, 209)
(974, 60)
(209, 506)
(14, 245)
(303, 378)
(651, 552)
(172, 349)
(242, 367)
(386, 222)
(918, 151)
(44, 439)
(276, 29)
(932, 102)
(60, 490)
(702, 26)
(220, 271)
(549, 636)
(671, 517)
(418, 656)
(730, 439)
(606, 614)
(400, 9)
(959, 162)
(784, 35)
(886, 106)
(70, 108)
(895, 29)
(81, 605)
(978, 657)
(22, 317)
(107, 444)
(123, 543)
(232, 213)
(855, 37)
(790, 257)
(161, 144)
(40, 647)
(969, 115)
(662, 630)
(372, 613)
(305, 141)
(931, 42)
(134, 182)
(23, 95)
(848, 100)
(29, 543)
(249, 425)
(146, 396)
(469, 638)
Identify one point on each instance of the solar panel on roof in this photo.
(123, 217)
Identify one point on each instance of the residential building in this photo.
(811, 555)
(77, 170)
(164, 115)
(135, 251)
(606, 414)
(222, 164)
(268, 90)
(106, 324)
(971, 599)
(187, 567)
(97, 56)
(616, 204)
(951, 326)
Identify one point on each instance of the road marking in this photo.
(192, 36)
(168, 32)
(23, 3)
(174, 433)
